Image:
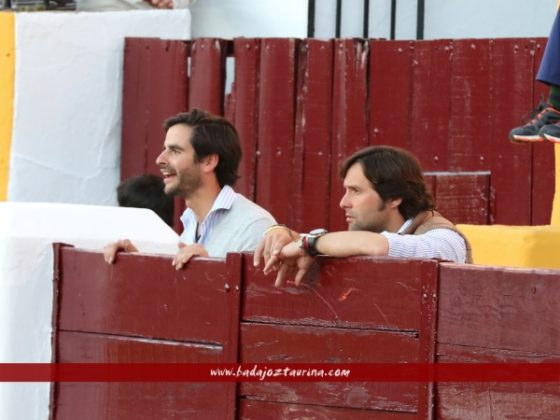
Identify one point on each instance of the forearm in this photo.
(347, 244)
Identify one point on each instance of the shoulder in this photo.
(250, 210)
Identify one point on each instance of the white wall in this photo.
(68, 98)
(27, 231)
(249, 18)
(443, 18)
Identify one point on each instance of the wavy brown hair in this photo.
(393, 173)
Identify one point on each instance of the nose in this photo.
(160, 160)
(344, 201)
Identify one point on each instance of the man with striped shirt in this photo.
(199, 162)
(389, 212)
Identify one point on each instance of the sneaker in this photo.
(529, 133)
(551, 132)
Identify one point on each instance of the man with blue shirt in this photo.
(199, 162)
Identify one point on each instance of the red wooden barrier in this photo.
(358, 310)
(498, 315)
(349, 314)
(301, 107)
(111, 313)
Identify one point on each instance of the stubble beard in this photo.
(186, 185)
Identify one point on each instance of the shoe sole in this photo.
(552, 139)
(526, 139)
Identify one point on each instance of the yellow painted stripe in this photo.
(7, 69)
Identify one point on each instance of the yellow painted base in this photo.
(514, 246)
(555, 218)
(7, 68)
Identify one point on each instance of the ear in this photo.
(394, 203)
(210, 162)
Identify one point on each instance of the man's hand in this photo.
(110, 250)
(186, 252)
(292, 261)
(270, 246)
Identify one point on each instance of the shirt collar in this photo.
(405, 226)
(224, 200)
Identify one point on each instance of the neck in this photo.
(395, 223)
(202, 200)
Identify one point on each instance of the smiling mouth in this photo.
(167, 175)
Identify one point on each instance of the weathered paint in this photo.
(497, 315)
(110, 313)
(245, 96)
(276, 127)
(345, 313)
(451, 102)
(312, 141)
(155, 88)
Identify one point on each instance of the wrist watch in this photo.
(309, 241)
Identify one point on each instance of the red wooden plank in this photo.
(276, 127)
(141, 401)
(251, 409)
(245, 91)
(312, 154)
(463, 197)
(353, 299)
(430, 114)
(508, 309)
(542, 188)
(530, 400)
(390, 92)
(207, 74)
(264, 343)
(510, 99)
(79, 347)
(145, 296)
(469, 120)
(154, 88)
(498, 401)
(350, 125)
(353, 292)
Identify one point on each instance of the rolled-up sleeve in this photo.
(443, 244)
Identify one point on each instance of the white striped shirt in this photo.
(222, 203)
(440, 243)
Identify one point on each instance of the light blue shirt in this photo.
(233, 224)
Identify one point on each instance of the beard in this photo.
(186, 183)
(377, 224)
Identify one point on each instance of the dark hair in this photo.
(146, 191)
(212, 135)
(393, 173)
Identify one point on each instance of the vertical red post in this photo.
(312, 149)
(155, 87)
(430, 113)
(390, 92)
(350, 128)
(246, 96)
(207, 75)
(276, 127)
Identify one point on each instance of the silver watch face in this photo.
(318, 232)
